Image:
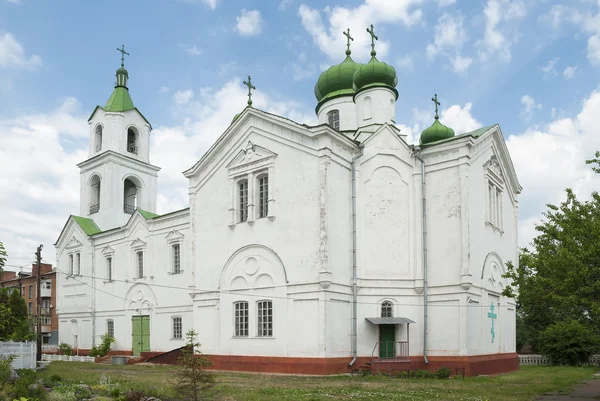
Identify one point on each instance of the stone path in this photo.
(587, 391)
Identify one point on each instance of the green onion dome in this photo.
(436, 132)
(235, 117)
(337, 81)
(123, 71)
(375, 74)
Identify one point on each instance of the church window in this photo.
(109, 268)
(177, 328)
(176, 251)
(78, 264)
(333, 119)
(243, 200)
(98, 138)
(110, 328)
(265, 319)
(495, 185)
(368, 108)
(386, 309)
(130, 196)
(132, 140)
(263, 196)
(94, 194)
(241, 319)
(140, 263)
(71, 265)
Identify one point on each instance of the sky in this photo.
(531, 66)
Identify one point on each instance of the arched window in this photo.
(333, 119)
(94, 194)
(368, 108)
(130, 194)
(98, 138)
(132, 140)
(386, 309)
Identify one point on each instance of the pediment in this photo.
(108, 250)
(174, 236)
(494, 169)
(138, 243)
(74, 243)
(252, 155)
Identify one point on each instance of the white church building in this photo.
(305, 249)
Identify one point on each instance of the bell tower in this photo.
(117, 178)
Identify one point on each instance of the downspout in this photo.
(354, 284)
(424, 222)
(93, 291)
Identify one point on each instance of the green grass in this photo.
(526, 384)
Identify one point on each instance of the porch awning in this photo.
(389, 320)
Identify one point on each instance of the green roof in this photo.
(119, 100)
(473, 134)
(375, 73)
(336, 81)
(436, 132)
(147, 215)
(87, 225)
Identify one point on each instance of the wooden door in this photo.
(140, 334)
(387, 341)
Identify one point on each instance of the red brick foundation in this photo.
(473, 365)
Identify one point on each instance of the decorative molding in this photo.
(324, 162)
(174, 237)
(108, 251)
(74, 243)
(138, 244)
(494, 170)
(250, 158)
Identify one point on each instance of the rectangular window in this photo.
(265, 319)
(110, 328)
(46, 340)
(263, 196)
(176, 258)
(109, 269)
(31, 291)
(30, 308)
(46, 320)
(177, 328)
(498, 209)
(78, 264)
(71, 265)
(241, 319)
(494, 205)
(333, 119)
(243, 194)
(140, 264)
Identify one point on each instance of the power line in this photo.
(233, 292)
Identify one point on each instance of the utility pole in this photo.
(38, 319)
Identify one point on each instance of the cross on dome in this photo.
(373, 39)
(123, 53)
(437, 103)
(347, 34)
(250, 87)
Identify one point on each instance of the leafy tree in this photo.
(568, 342)
(192, 381)
(19, 319)
(558, 280)
(3, 257)
(105, 344)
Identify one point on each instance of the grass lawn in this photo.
(525, 384)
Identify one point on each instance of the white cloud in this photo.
(328, 36)
(192, 50)
(495, 42)
(12, 54)
(529, 106)
(569, 72)
(445, 3)
(593, 50)
(461, 64)
(405, 62)
(37, 197)
(459, 118)
(249, 23)
(183, 96)
(560, 14)
(449, 35)
(211, 3)
(552, 158)
(549, 69)
(284, 4)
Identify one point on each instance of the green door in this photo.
(387, 338)
(140, 334)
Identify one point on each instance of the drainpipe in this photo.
(354, 285)
(93, 292)
(424, 222)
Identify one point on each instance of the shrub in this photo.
(104, 347)
(192, 381)
(26, 386)
(5, 369)
(568, 342)
(65, 349)
(443, 373)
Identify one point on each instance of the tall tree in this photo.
(19, 319)
(3, 257)
(559, 278)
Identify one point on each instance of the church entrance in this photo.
(140, 334)
(387, 341)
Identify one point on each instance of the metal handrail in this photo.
(403, 346)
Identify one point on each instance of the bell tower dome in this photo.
(117, 178)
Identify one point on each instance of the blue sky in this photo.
(531, 66)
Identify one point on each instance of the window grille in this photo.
(110, 328)
(177, 328)
(176, 259)
(71, 265)
(386, 309)
(140, 264)
(243, 195)
(263, 196)
(333, 119)
(241, 319)
(265, 319)
(78, 265)
(109, 269)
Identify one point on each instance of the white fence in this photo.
(535, 359)
(65, 358)
(23, 354)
